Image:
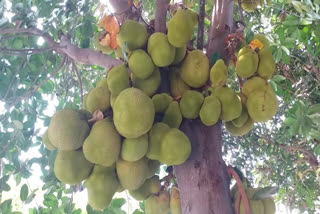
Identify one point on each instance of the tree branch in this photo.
(202, 13)
(161, 13)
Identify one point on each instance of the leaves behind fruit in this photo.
(111, 26)
(265, 193)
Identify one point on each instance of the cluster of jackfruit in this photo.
(251, 5)
(263, 206)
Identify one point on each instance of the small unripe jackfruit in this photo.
(149, 85)
(218, 74)
(46, 141)
(173, 116)
(118, 79)
(210, 111)
(158, 204)
(247, 62)
(161, 102)
(190, 104)
(134, 33)
(140, 64)
(155, 137)
(175, 203)
(177, 85)
(98, 99)
(267, 65)
(134, 149)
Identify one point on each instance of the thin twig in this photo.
(79, 79)
(23, 51)
(201, 24)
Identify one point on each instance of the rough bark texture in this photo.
(160, 19)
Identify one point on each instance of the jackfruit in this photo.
(84, 102)
(132, 174)
(153, 166)
(267, 65)
(231, 106)
(242, 119)
(134, 149)
(175, 147)
(158, 204)
(103, 139)
(173, 117)
(160, 50)
(218, 74)
(269, 206)
(99, 47)
(133, 113)
(194, 69)
(210, 111)
(256, 207)
(118, 79)
(102, 83)
(180, 27)
(71, 167)
(150, 186)
(249, 5)
(254, 84)
(46, 141)
(113, 100)
(263, 39)
(190, 104)
(262, 105)
(180, 54)
(68, 129)
(98, 99)
(155, 138)
(140, 64)
(149, 85)
(175, 203)
(101, 185)
(239, 131)
(247, 62)
(134, 33)
(177, 85)
(161, 102)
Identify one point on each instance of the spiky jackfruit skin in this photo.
(263, 39)
(133, 113)
(101, 185)
(180, 54)
(161, 102)
(262, 105)
(172, 116)
(160, 50)
(177, 85)
(158, 204)
(150, 186)
(98, 99)
(46, 141)
(155, 138)
(134, 149)
(149, 85)
(140, 63)
(118, 79)
(239, 131)
(175, 203)
(267, 65)
(210, 111)
(190, 104)
(254, 84)
(103, 139)
(240, 121)
(132, 174)
(71, 167)
(194, 69)
(68, 129)
(103, 83)
(153, 166)
(180, 27)
(175, 147)
(134, 33)
(247, 62)
(231, 106)
(269, 206)
(218, 74)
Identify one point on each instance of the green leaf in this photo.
(314, 109)
(48, 87)
(18, 124)
(265, 193)
(24, 191)
(278, 78)
(317, 150)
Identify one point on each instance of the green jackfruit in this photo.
(177, 85)
(240, 121)
(190, 104)
(175, 147)
(175, 203)
(218, 74)
(46, 141)
(103, 139)
(254, 84)
(132, 174)
(153, 166)
(180, 54)
(134, 149)
(247, 62)
(155, 138)
(160, 50)
(150, 186)
(68, 129)
(231, 106)
(194, 69)
(239, 131)
(113, 100)
(269, 206)
(134, 33)
(149, 85)
(84, 103)
(118, 79)
(98, 99)
(256, 207)
(180, 27)
(173, 117)
(71, 167)
(133, 113)
(140, 64)
(103, 83)
(161, 102)
(210, 111)
(101, 185)
(263, 39)
(158, 204)
(267, 65)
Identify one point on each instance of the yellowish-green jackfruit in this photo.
(239, 131)
(247, 62)
(161, 102)
(210, 111)
(118, 79)
(175, 202)
(254, 84)
(153, 166)
(155, 138)
(240, 121)
(218, 74)
(173, 116)
(134, 149)
(140, 64)
(180, 54)
(98, 99)
(177, 85)
(269, 206)
(190, 104)
(267, 65)
(263, 39)
(158, 204)
(149, 85)
(134, 33)
(46, 141)
(150, 186)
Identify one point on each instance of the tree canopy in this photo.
(49, 59)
